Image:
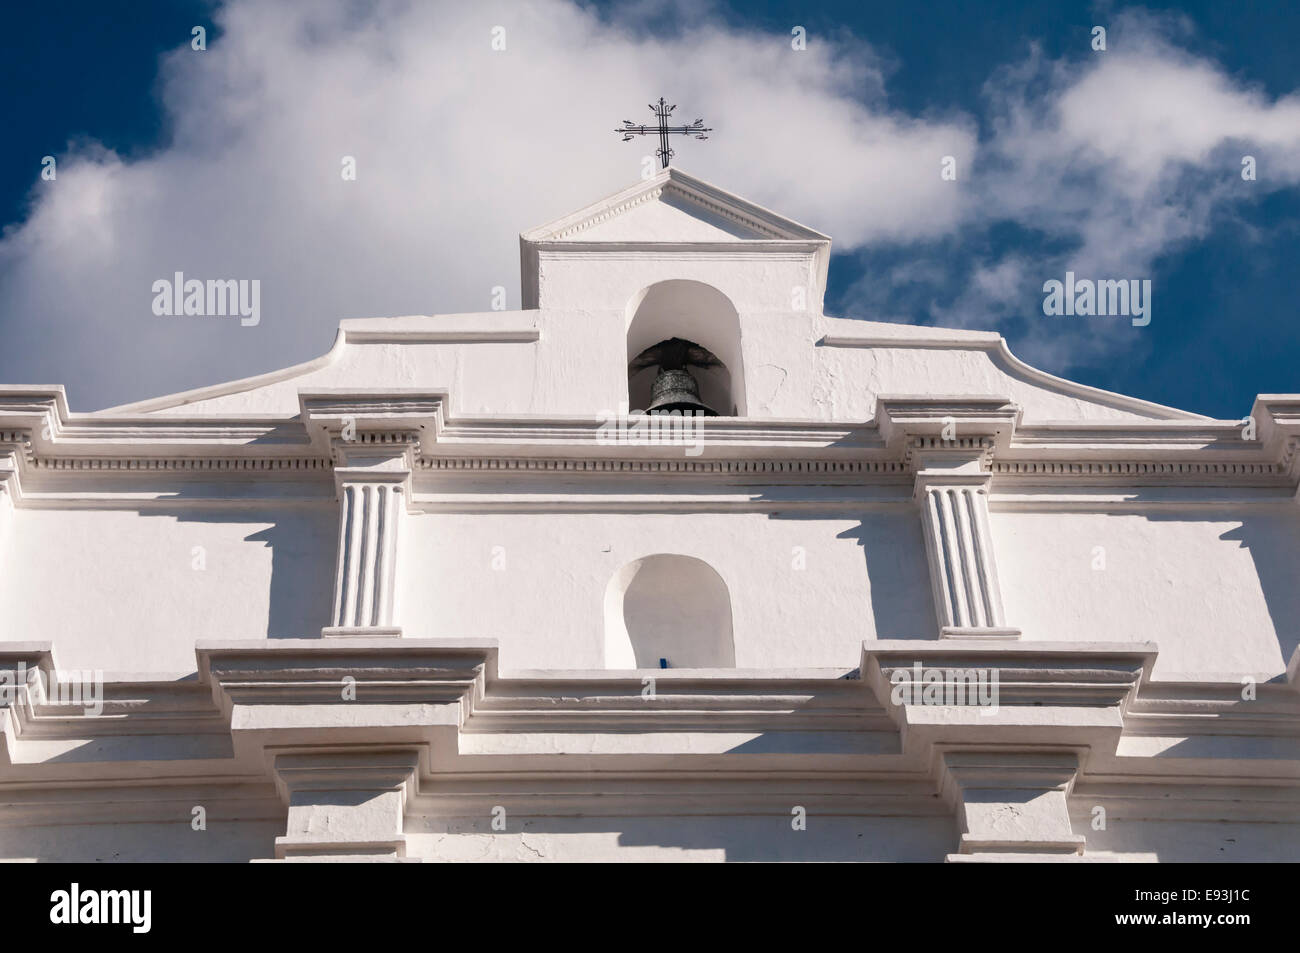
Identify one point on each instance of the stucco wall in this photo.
(578, 366)
(650, 838)
(862, 578)
(119, 589)
(698, 838)
(1215, 589)
(174, 842)
(1192, 841)
(683, 839)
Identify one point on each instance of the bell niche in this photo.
(683, 351)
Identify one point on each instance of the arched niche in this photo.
(695, 312)
(668, 606)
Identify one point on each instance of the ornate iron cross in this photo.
(663, 130)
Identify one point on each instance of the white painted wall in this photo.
(1216, 590)
(1192, 841)
(683, 838)
(669, 610)
(228, 842)
(117, 590)
(546, 603)
(579, 365)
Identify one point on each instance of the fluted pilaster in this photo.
(959, 546)
(370, 515)
(9, 489)
(372, 507)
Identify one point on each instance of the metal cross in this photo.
(663, 130)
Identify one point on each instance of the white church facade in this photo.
(443, 594)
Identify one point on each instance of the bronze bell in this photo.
(675, 389)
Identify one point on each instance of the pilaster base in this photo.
(984, 633)
(1010, 857)
(361, 632)
(328, 847)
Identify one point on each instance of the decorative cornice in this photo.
(375, 444)
(1134, 468)
(925, 431)
(604, 215)
(979, 447)
(206, 464)
(729, 212)
(908, 431)
(675, 182)
(725, 467)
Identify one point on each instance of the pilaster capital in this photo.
(388, 461)
(946, 433)
(10, 485)
(352, 426)
(372, 479)
(976, 480)
(14, 448)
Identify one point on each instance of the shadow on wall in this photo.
(902, 605)
(303, 546)
(897, 576)
(1274, 546)
(302, 585)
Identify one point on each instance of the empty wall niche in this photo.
(668, 610)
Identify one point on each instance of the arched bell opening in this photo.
(668, 611)
(683, 337)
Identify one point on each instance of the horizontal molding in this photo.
(625, 504)
(46, 440)
(186, 464)
(1163, 799)
(1129, 469)
(449, 811)
(1112, 498)
(550, 738)
(448, 336)
(969, 341)
(660, 466)
(224, 800)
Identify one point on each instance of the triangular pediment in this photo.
(673, 207)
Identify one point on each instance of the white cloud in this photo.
(458, 149)
(1121, 155)
(1114, 158)
(1133, 150)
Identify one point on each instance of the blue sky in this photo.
(1116, 164)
